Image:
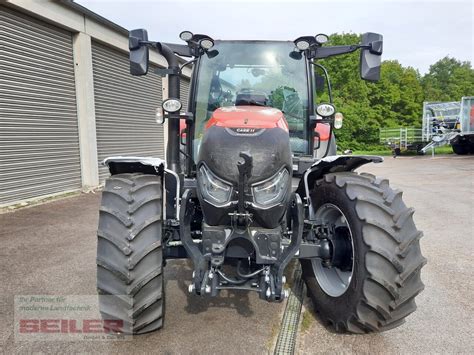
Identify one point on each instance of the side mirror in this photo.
(371, 56)
(139, 53)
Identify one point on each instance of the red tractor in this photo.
(256, 184)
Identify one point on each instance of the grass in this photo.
(306, 321)
(441, 150)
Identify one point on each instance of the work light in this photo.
(325, 110)
(172, 105)
(321, 38)
(302, 45)
(186, 36)
(206, 43)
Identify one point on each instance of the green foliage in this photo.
(396, 100)
(448, 80)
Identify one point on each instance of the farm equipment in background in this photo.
(443, 123)
(255, 184)
(402, 139)
(449, 123)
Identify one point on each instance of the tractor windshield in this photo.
(254, 73)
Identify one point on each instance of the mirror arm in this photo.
(328, 82)
(325, 52)
(180, 49)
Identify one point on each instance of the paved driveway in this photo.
(50, 249)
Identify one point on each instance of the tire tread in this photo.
(396, 282)
(130, 221)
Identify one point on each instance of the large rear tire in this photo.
(129, 253)
(375, 288)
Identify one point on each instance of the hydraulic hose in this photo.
(230, 280)
(247, 276)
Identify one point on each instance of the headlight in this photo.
(171, 105)
(325, 110)
(272, 191)
(213, 190)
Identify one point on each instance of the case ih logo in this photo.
(246, 130)
(70, 326)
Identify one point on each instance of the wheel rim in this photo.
(335, 280)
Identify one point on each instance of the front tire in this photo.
(129, 253)
(384, 276)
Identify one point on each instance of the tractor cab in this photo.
(275, 74)
(254, 75)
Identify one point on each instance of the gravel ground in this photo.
(50, 249)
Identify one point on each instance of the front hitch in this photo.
(209, 277)
(244, 166)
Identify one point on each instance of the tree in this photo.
(396, 100)
(448, 80)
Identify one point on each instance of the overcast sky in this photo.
(416, 33)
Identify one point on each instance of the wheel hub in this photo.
(334, 275)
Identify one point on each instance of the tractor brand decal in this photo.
(245, 131)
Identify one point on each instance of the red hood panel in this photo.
(248, 117)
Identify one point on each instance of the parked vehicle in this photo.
(443, 123)
(253, 189)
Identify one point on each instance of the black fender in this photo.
(145, 165)
(156, 166)
(332, 164)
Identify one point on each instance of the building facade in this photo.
(67, 99)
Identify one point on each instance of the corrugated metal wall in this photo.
(125, 108)
(39, 143)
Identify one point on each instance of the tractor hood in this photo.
(256, 117)
(260, 133)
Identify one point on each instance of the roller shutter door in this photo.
(39, 142)
(125, 108)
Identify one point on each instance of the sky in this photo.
(416, 33)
